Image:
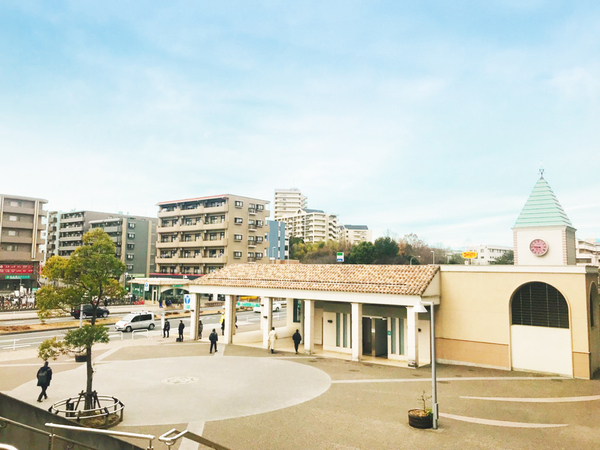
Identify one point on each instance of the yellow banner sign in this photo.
(469, 255)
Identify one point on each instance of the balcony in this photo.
(168, 244)
(190, 259)
(71, 227)
(215, 243)
(215, 209)
(168, 228)
(18, 209)
(21, 225)
(112, 229)
(193, 227)
(222, 259)
(167, 260)
(77, 237)
(176, 212)
(251, 243)
(15, 256)
(190, 244)
(71, 219)
(215, 226)
(66, 246)
(17, 239)
(252, 211)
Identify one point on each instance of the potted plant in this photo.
(422, 417)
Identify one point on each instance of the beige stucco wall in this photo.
(473, 319)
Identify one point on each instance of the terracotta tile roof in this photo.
(388, 279)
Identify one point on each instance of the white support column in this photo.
(309, 327)
(194, 318)
(412, 337)
(356, 331)
(266, 318)
(230, 306)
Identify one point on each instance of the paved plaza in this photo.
(246, 398)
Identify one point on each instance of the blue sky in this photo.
(425, 117)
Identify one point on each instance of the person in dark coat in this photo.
(213, 338)
(200, 328)
(181, 327)
(296, 338)
(44, 376)
(166, 328)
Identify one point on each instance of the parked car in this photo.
(87, 312)
(277, 305)
(136, 321)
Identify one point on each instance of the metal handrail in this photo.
(50, 436)
(149, 437)
(171, 440)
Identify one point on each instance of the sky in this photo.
(425, 117)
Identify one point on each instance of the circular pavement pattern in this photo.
(202, 388)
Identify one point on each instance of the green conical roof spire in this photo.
(542, 209)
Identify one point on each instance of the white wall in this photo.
(541, 349)
(554, 239)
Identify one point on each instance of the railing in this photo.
(148, 437)
(138, 331)
(171, 439)
(52, 438)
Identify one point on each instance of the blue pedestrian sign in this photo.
(146, 286)
(187, 302)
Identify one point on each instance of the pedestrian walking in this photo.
(213, 338)
(296, 338)
(223, 324)
(272, 339)
(181, 327)
(200, 328)
(166, 329)
(44, 376)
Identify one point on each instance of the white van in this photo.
(135, 321)
(277, 305)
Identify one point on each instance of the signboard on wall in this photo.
(469, 255)
(15, 268)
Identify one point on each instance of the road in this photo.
(247, 321)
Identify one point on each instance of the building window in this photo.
(297, 310)
(539, 305)
(129, 266)
(259, 255)
(260, 207)
(239, 204)
(131, 225)
(13, 218)
(130, 236)
(237, 237)
(238, 221)
(129, 257)
(237, 254)
(12, 233)
(130, 246)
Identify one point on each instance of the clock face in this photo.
(538, 247)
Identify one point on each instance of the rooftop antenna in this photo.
(541, 170)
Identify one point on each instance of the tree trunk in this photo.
(89, 400)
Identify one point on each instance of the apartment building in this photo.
(200, 235)
(287, 202)
(588, 252)
(354, 234)
(486, 254)
(21, 241)
(134, 236)
(278, 241)
(312, 225)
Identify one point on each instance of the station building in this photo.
(539, 315)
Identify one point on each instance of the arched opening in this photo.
(539, 305)
(540, 329)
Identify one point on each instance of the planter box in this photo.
(417, 419)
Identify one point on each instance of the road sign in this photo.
(177, 285)
(469, 255)
(146, 286)
(187, 302)
(340, 257)
(248, 304)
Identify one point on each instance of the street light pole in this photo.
(432, 257)
(434, 398)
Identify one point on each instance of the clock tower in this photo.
(543, 234)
